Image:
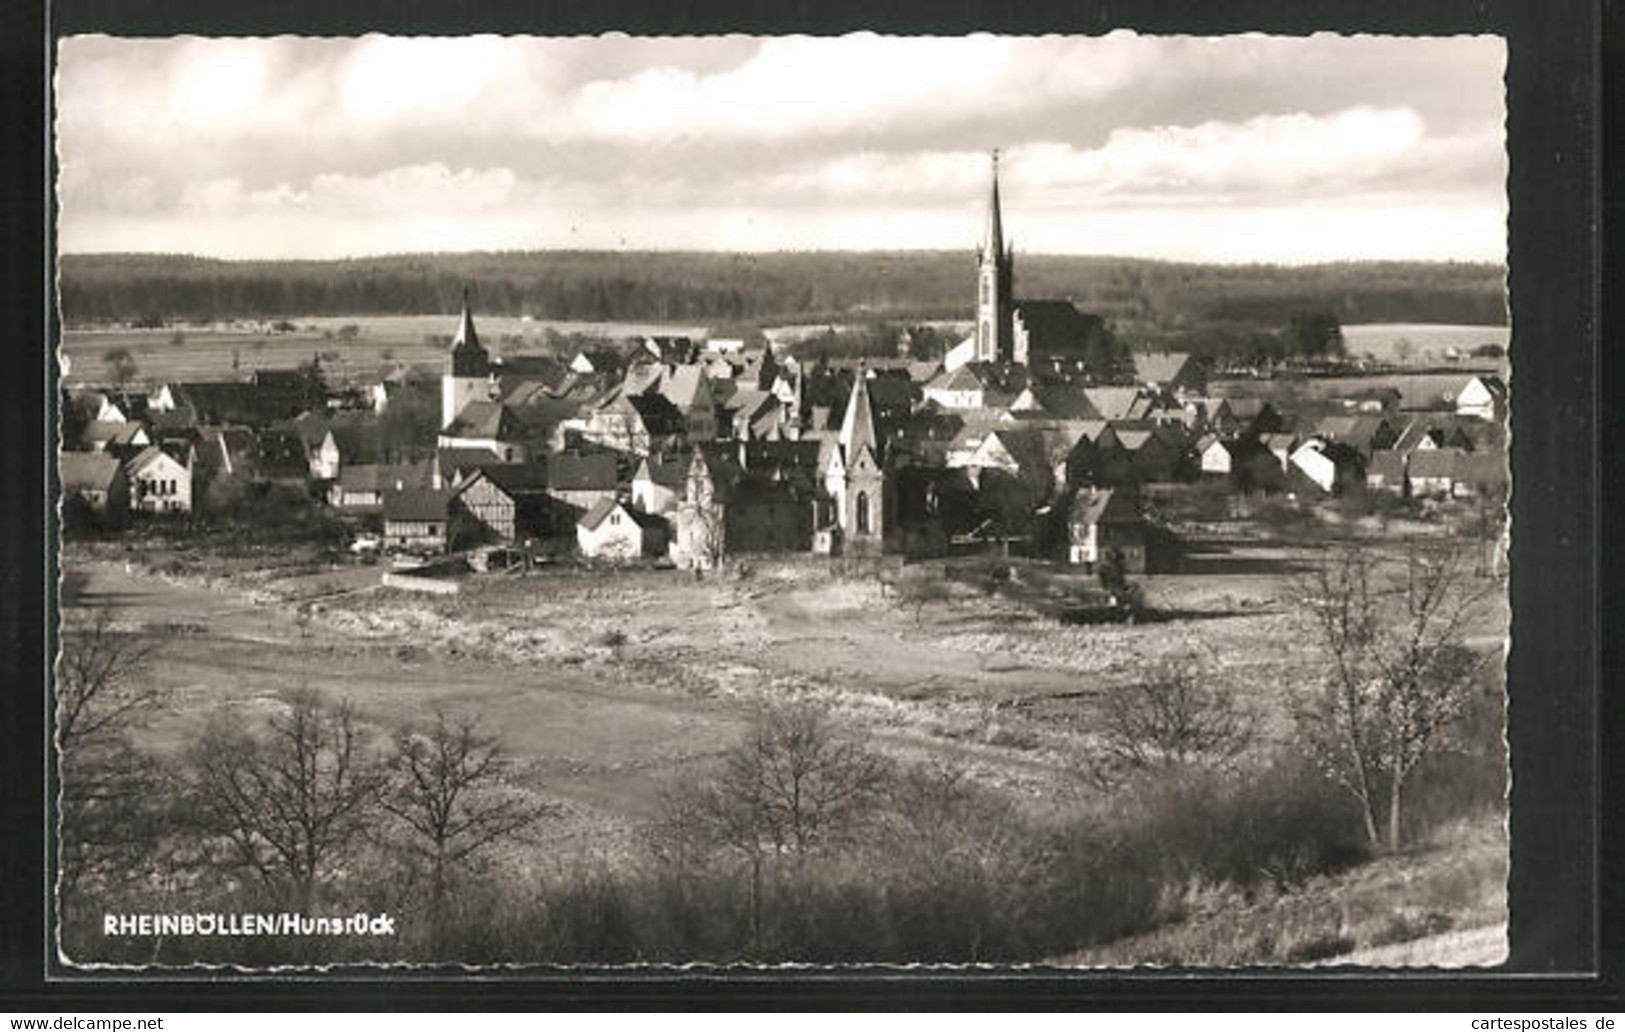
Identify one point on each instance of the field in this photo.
(1418, 342)
(607, 685)
(219, 351)
(216, 352)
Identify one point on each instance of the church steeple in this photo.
(994, 330)
(468, 368)
(858, 422)
(993, 243)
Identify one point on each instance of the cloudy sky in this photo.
(1243, 148)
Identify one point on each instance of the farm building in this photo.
(614, 531)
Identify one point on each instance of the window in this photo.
(863, 512)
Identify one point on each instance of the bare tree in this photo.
(292, 801)
(101, 688)
(1178, 715)
(798, 782)
(442, 792)
(1399, 674)
(109, 802)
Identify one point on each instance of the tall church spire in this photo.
(994, 331)
(994, 244)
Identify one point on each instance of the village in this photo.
(1039, 436)
(627, 556)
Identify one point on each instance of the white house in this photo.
(614, 531)
(1484, 397)
(160, 482)
(1312, 461)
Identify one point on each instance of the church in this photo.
(1051, 339)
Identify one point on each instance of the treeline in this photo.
(790, 286)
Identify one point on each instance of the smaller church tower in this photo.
(860, 498)
(468, 369)
(994, 332)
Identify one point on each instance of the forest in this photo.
(1153, 298)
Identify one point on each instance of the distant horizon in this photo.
(1236, 150)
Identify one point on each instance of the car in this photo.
(365, 544)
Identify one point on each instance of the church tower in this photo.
(860, 499)
(994, 334)
(468, 370)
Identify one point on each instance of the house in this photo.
(1144, 454)
(614, 531)
(1431, 472)
(1217, 456)
(1105, 522)
(359, 490)
(510, 502)
(1053, 401)
(1330, 466)
(977, 385)
(96, 485)
(638, 423)
(726, 510)
(160, 481)
(658, 484)
(581, 480)
(487, 426)
(422, 519)
(279, 457)
(1484, 397)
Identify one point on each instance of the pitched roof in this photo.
(517, 478)
(1160, 367)
(1112, 402)
(86, 471)
(1436, 462)
(382, 477)
(570, 471)
(483, 419)
(418, 504)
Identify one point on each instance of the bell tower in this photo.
(994, 334)
(468, 369)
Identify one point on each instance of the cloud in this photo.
(378, 143)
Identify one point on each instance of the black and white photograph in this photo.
(752, 501)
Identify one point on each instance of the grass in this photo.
(1455, 881)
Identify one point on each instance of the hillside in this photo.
(765, 287)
